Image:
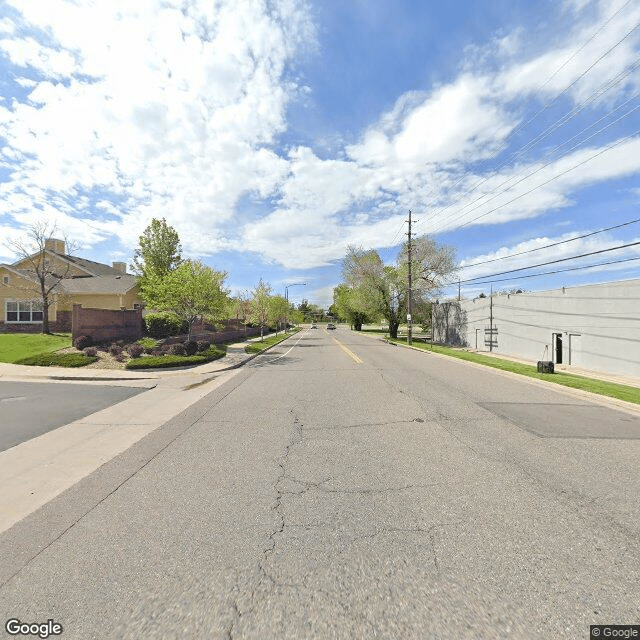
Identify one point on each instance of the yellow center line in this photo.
(348, 351)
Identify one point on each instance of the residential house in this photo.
(90, 284)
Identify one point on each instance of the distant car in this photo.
(314, 326)
(331, 326)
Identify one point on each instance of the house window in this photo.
(5, 279)
(23, 311)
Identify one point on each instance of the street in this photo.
(29, 409)
(341, 487)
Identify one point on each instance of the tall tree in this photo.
(159, 251)
(191, 291)
(40, 266)
(260, 305)
(278, 310)
(350, 305)
(385, 287)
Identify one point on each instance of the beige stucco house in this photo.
(91, 284)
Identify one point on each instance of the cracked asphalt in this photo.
(314, 496)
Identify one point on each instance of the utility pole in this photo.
(409, 334)
(491, 319)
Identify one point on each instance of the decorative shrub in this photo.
(82, 342)
(203, 345)
(115, 350)
(177, 349)
(191, 348)
(164, 324)
(165, 348)
(135, 350)
(157, 352)
(90, 352)
(152, 350)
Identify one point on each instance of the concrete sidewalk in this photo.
(36, 471)
(563, 368)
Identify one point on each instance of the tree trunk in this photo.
(261, 332)
(358, 326)
(45, 317)
(393, 329)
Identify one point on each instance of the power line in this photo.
(543, 264)
(547, 273)
(559, 175)
(547, 246)
(602, 89)
(540, 168)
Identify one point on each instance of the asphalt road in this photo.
(352, 490)
(29, 409)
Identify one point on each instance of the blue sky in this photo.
(272, 135)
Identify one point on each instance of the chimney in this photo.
(55, 245)
(120, 266)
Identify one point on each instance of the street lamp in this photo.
(295, 284)
(286, 294)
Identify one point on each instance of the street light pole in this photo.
(286, 291)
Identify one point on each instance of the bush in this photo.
(82, 342)
(58, 360)
(164, 324)
(177, 349)
(191, 348)
(90, 352)
(135, 350)
(203, 345)
(115, 350)
(178, 361)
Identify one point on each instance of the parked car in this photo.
(314, 326)
(331, 325)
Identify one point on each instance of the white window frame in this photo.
(34, 306)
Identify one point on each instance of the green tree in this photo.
(384, 288)
(260, 305)
(350, 304)
(278, 310)
(192, 290)
(159, 251)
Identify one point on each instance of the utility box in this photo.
(545, 366)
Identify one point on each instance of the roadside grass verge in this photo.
(258, 346)
(58, 360)
(214, 352)
(18, 346)
(601, 387)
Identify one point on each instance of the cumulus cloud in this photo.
(169, 108)
(159, 108)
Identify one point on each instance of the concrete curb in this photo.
(623, 405)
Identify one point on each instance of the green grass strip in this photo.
(258, 346)
(601, 387)
(214, 352)
(17, 346)
(58, 360)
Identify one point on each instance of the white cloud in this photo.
(171, 107)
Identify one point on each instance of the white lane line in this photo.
(286, 353)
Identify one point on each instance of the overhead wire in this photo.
(603, 88)
(548, 246)
(543, 264)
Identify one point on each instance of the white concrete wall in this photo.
(599, 325)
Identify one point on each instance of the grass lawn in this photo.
(17, 346)
(611, 389)
(258, 346)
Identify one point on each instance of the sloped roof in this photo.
(96, 268)
(118, 284)
(105, 279)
